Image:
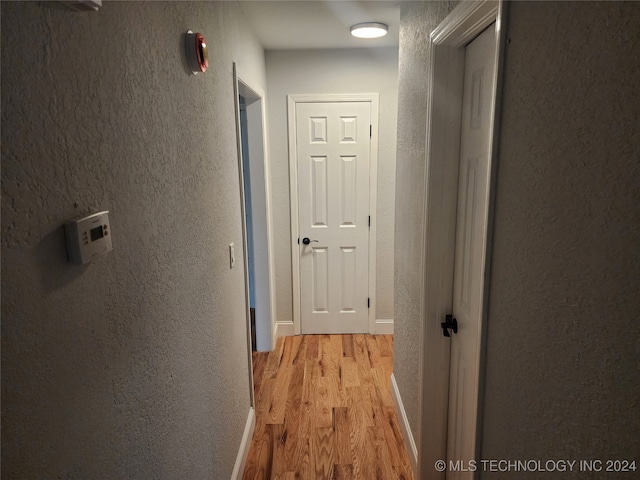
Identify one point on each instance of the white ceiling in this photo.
(312, 24)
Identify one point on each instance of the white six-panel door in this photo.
(333, 161)
(473, 190)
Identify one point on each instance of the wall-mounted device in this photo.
(88, 237)
(197, 52)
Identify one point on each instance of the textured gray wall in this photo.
(563, 351)
(333, 71)
(418, 19)
(134, 366)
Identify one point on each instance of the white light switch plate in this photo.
(232, 255)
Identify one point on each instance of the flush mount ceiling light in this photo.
(369, 30)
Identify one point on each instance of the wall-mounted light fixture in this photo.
(197, 52)
(369, 30)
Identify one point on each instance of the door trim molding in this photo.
(373, 99)
(446, 49)
(266, 291)
(236, 93)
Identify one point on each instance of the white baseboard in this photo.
(384, 326)
(245, 444)
(409, 442)
(283, 329)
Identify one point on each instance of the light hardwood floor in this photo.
(324, 411)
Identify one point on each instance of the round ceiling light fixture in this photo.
(369, 30)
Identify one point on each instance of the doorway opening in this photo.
(254, 185)
(248, 218)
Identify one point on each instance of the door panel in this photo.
(333, 157)
(319, 194)
(349, 280)
(348, 190)
(318, 130)
(471, 231)
(320, 280)
(468, 216)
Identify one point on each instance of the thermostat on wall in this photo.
(88, 237)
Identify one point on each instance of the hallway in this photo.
(324, 411)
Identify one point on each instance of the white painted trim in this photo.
(374, 99)
(240, 76)
(275, 335)
(384, 326)
(269, 210)
(446, 46)
(236, 101)
(373, 208)
(409, 442)
(465, 23)
(284, 329)
(293, 206)
(245, 445)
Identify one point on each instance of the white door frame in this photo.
(242, 87)
(373, 98)
(261, 213)
(447, 44)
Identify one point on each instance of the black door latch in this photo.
(449, 323)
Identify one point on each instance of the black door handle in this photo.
(449, 323)
(307, 241)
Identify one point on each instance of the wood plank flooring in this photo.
(324, 411)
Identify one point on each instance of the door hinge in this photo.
(369, 220)
(368, 303)
(370, 131)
